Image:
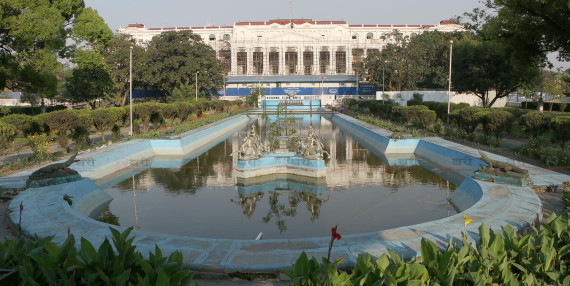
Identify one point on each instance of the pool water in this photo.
(204, 198)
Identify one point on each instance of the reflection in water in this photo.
(204, 198)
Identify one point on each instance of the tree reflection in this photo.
(278, 210)
(248, 202)
(108, 217)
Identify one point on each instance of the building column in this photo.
(249, 61)
(233, 60)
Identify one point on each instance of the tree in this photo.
(482, 66)
(419, 61)
(34, 34)
(256, 92)
(175, 58)
(532, 28)
(117, 57)
(90, 80)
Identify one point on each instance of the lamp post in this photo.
(449, 88)
(197, 86)
(131, 90)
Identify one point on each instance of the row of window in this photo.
(369, 36)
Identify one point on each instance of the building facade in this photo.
(294, 47)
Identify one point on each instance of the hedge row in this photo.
(29, 110)
(79, 122)
(550, 106)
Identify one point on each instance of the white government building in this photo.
(298, 58)
(294, 47)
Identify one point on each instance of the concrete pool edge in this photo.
(46, 213)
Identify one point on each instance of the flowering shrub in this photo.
(40, 145)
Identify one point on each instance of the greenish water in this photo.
(204, 198)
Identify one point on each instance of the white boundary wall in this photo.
(439, 96)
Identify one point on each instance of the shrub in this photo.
(534, 123)
(408, 113)
(426, 118)
(562, 106)
(465, 119)
(105, 118)
(561, 127)
(349, 103)
(79, 136)
(40, 145)
(22, 123)
(85, 118)
(61, 122)
(144, 112)
(169, 111)
(184, 109)
(157, 119)
(116, 132)
(7, 134)
(417, 99)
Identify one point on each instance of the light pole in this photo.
(449, 89)
(131, 89)
(197, 86)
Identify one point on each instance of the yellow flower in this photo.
(340, 261)
(467, 221)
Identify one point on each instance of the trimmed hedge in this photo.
(534, 123)
(23, 123)
(561, 127)
(29, 110)
(408, 113)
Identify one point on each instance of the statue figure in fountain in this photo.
(251, 147)
(313, 147)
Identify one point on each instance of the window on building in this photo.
(383, 36)
(212, 37)
(399, 36)
(354, 36)
(370, 36)
(274, 62)
(226, 37)
(340, 62)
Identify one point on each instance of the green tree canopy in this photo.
(174, 58)
(482, 66)
(529, 29)
(420, 61)
(117, 57)
(35, 33)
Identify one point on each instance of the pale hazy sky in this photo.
(184, 13)
(172, 13)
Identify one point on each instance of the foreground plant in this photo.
(41, 262)
(500, 258)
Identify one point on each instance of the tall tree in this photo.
(90, 81)
(35, 33)
(419, 61)
(174, 58)
(529, 29)
(117, 57)
(482, 66)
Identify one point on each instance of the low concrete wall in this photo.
(103, 162)
(439, 96)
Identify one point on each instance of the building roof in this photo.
(291, 78)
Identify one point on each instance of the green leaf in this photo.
(88, 251)
(301, 267)
(162, 278)
(484, 236)
(123, 278)
(383, 262)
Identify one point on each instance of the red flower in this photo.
(389, 120)
(334, 233)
